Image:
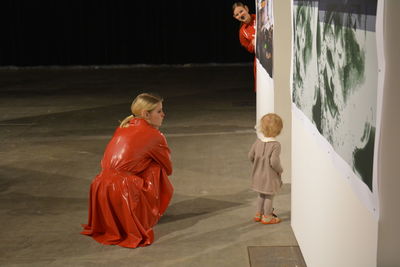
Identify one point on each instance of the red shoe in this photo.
(270, 220)
(257, 218)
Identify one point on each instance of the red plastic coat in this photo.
(246, 35)
(132, 191)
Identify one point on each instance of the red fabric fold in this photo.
(130, 194)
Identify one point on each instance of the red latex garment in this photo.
(133, 190)
(246, 35)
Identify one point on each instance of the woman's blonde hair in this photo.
(143, 102)
(271, 125)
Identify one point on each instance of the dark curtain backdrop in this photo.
(109, 32)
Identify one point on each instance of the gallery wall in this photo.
(333, 225)
(273, 89)
(389, 233)
(282, 48)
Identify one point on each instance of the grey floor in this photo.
(54, 126)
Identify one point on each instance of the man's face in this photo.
(242, 14)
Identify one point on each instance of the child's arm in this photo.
(252, 153)
(275, 160)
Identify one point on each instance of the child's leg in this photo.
(269, 217)
(268, 204)
(260, 204)
(259, 207)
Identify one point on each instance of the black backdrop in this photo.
(113, 32)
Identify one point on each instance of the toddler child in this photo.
(266, 167)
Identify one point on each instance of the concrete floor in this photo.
(54, 126)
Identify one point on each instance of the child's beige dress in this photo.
(267, 168)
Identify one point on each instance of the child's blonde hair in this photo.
(145, 101)
(271, 125)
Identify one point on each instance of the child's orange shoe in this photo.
(270, 220)
(257, 218)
